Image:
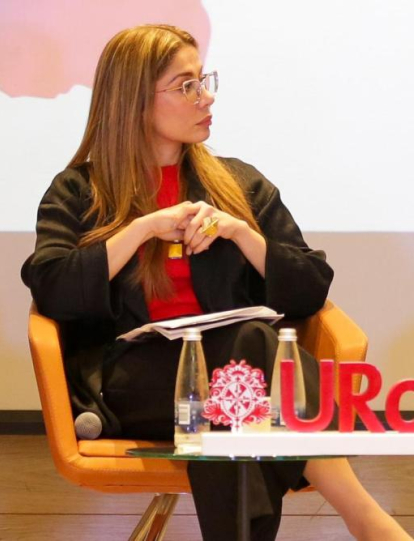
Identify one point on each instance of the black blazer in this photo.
(71, 284)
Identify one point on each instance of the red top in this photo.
(184, 301)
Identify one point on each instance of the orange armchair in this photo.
(103, 465)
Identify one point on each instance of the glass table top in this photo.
(172, 453)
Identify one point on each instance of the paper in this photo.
(174, 328)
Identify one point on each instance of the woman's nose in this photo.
(206, 98)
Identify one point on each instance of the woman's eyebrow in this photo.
(189, 74)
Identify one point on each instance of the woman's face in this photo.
(175, 119)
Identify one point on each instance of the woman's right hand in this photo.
(170, 223)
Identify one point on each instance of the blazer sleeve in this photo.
(68, 282)
(297, 278)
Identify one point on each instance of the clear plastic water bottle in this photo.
(287, 350)
(191, 392)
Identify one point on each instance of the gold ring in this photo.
(210, 226)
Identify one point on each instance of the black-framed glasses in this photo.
(193, 88)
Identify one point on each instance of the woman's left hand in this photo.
(228, 227)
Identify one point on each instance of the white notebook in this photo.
(174, 328)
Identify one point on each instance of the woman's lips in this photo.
(207, 121)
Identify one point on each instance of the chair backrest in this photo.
(331, 334)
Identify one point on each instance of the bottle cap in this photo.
(287, 335)
(192, 333)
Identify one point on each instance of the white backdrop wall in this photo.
(317, 95)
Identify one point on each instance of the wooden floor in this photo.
(36, 504)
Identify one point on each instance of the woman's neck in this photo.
(168, 154)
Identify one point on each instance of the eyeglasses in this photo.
(192, 89)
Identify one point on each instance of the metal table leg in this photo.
(243, 519)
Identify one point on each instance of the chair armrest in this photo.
(45, 347)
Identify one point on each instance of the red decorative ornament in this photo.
(237, 396)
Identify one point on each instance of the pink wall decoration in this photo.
(46, 47)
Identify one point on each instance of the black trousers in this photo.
(139, 383)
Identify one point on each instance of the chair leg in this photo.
(153, 523)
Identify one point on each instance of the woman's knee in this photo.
(257, 344)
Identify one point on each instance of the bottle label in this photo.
(277, 419)
(188, 415)
(184, 413)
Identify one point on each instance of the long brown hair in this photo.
(118, 146)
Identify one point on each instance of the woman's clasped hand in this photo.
(186, 222)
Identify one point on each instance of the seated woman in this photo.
(140, 182)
